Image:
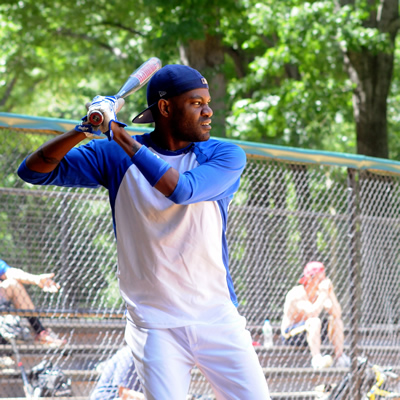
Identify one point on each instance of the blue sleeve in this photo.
(79, 168)
(218, 177)
(3, 267)
(150, 165)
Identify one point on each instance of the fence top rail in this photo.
(319, 157)
(65, 313)
(262, 150)
(46, 125)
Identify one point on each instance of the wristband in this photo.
(150, 165)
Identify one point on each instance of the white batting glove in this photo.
(109, 106)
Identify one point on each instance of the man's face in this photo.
(191, 115)
(314, 280)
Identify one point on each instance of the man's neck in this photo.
(166, 142)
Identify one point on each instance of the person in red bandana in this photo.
(302, 323)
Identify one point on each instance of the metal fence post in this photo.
(353, 273)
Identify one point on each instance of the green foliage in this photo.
(64, 53)
(300, 95)
(393, 112)
(297, 92)
(57, 55)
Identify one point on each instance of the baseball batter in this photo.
(169, 192)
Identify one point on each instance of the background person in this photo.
(13, 292)
(301, 321)
(118, 378)
(169, 192)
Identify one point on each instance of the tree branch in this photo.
(237, 60)
(123, 27)
(8, 91)
(67, 32)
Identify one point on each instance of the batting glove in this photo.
(91, 132)
(109, 106)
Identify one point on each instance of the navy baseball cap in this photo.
(169, 81)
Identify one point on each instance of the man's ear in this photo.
(163, 106)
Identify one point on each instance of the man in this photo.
(13, 292)
(169, 192)
(301, 322)
(118, 378)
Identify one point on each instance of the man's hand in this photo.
(46, 283)
(90, 131)
(325, 286)
(324, 290)
(328, 305)
(109, 106)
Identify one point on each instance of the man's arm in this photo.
(46, 158)
(335, 309)
(308, 309)
(167, 182)
(44, 281)
(218, 177)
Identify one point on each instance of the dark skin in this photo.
(179, 121)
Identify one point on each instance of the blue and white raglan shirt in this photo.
(172, 251)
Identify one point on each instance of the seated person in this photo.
(13, 292)
(301, 323)
(118, 378)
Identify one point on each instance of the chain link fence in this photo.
(293, 206)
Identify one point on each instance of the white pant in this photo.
(222, 351)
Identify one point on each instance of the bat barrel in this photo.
(139, 77)
(136, 80)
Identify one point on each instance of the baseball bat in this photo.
(136, 80)
(27, 386)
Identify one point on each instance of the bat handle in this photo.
(95, 118)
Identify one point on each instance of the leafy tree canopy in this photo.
(283, 63)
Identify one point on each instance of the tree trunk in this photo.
(207, 56)
(372, 76)
(8, 91)
(371, 72)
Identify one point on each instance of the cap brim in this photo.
(145, 117)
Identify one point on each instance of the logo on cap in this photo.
(204, 81)
(162, 93)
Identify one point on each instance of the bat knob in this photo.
(95, 118)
